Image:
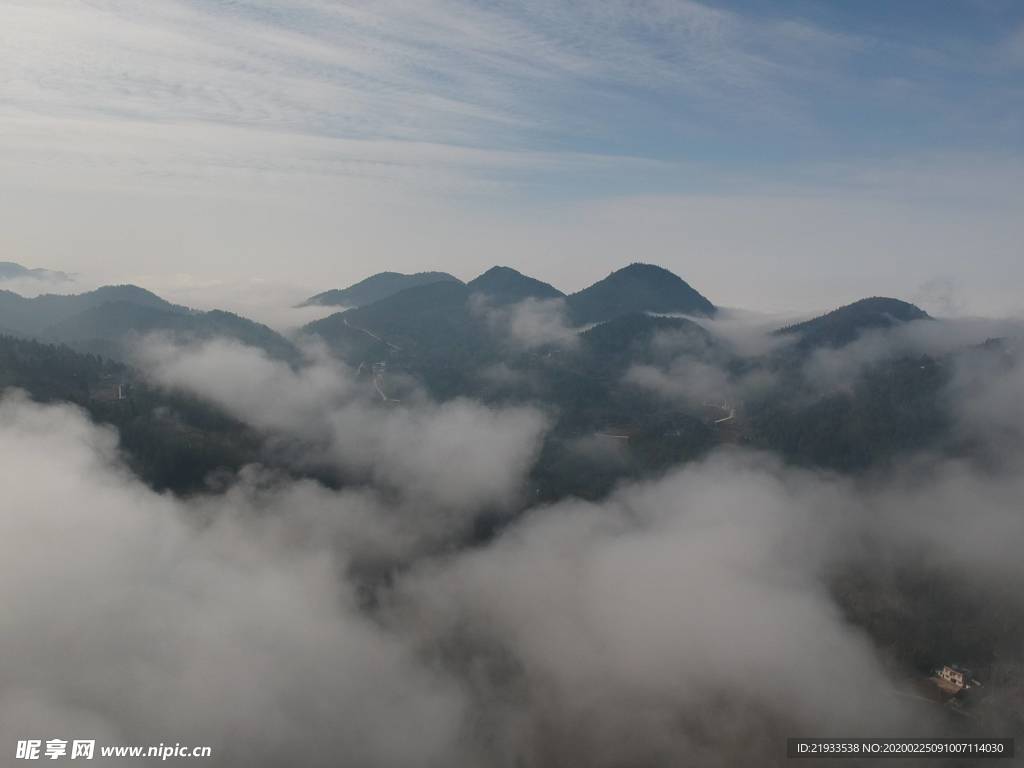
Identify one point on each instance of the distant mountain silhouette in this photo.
(841, 326)
(637, 288)
(107, 329)
(504, 285)
(435, 336)
(104, 320)
(375, 288)
(421, 319)
(11, 271)
(435, 329)
(32, 316)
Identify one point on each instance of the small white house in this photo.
(953, 675)
(956, 677)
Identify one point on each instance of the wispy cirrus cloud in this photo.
(668, 80)
(497, 77)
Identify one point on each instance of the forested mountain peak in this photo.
(374, 288)
(843, 325)
(507, 286)
(637, 288)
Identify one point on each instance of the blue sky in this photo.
(320, 140)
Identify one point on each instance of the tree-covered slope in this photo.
(375, 288)
(504, 285)
(637, 288)
(32, 316)
(173, 441)
(843, 325)
(108, 319)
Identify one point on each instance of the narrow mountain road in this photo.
(730, 417)
(371, 334)
(726, 408)
(380, 390)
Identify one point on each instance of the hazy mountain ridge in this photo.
(637, 288)
(375, 288)
(846, 323)
(407, 316)
(10, 270)
(637, 372)
(106, 319)
(506, 286)
(417, 313)
(633, 371)
(35, 315)
(634, 327)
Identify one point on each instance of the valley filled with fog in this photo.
(490, 524)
